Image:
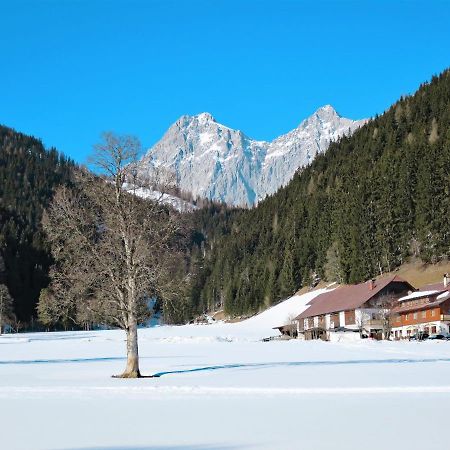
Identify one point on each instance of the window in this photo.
(406, 316)
(433, 329)
(415, 316)
(349, 317)
(334, 320)
(424, 314)
(432, 313)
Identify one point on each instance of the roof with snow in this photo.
(419, 294)
(428, 305)
(349, 297)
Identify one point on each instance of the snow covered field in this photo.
(221, 388)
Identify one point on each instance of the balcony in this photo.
(374, 323)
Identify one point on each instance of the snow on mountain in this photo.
(213, 161)
(161, 197)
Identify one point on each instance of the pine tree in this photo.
(6, 307)
(378, 196)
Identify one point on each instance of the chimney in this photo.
(446, 280)
(371, 285)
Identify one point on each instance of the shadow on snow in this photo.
(302, 364)
(164, 447)
(78, 360)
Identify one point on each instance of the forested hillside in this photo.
(361, 209)
(28, 175)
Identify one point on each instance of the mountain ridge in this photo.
(214, 161)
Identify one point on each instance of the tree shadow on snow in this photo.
(80, 360)
(166, 447)
(302, 364)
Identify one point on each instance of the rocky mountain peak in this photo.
(214, 161)
(205, 117)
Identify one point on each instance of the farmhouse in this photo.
(426, 310)
(360, 309)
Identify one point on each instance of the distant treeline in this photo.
(28, 176)
(361, 209)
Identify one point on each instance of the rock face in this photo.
(213, 161)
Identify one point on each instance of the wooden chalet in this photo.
(351, 308)
(424, 311)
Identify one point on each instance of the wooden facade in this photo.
(429, 313)
(417, 317)
(350, 317)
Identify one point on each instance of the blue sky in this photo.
(70, 69)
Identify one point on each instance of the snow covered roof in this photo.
(445, 294)
(418, 294)
(411, 308)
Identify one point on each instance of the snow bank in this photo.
(216, 382)
(282, 313)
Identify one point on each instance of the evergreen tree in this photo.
(28, 175)
(6, 307)
(359, 210)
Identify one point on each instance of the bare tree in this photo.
(385, 303)
(362, 319)
(292, 324)
(7, 316)
(113, 250)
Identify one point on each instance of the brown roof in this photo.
(347, 297)
(434, 287)
(288, 326)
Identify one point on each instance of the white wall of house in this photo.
(441, 328)
(342, 319)
(343, 336)
(327, 321)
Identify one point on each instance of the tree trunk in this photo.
(132, 369)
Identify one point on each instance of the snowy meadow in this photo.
(219, 387)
